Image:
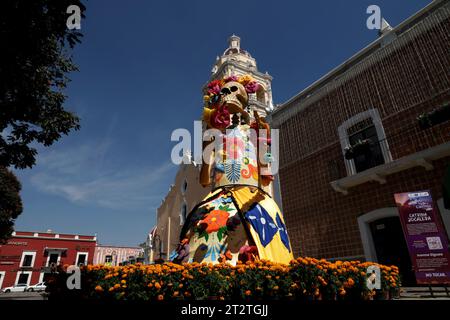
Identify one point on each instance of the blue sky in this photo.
(142, 66)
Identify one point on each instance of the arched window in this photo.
(184, 186)
(183, 213)
(261, 94)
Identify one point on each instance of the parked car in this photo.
(37, 287)
(21, 287)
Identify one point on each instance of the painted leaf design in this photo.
(205, 235)
(222, 231)
(233, 171)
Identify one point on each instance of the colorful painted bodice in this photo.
(237, 164)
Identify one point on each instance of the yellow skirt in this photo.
(235, 223)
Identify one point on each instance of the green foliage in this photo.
(33, 74)
(10, 202)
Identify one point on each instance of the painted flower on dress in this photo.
(215, 220)
(283, 232)
(263, 223)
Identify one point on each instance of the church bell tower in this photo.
(236, 61)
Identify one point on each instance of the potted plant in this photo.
(360, 147)
(424, 121)
(436, 116)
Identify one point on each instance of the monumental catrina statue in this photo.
(238, 220)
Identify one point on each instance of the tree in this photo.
(33, 68)
(10, 203)
(34, 65)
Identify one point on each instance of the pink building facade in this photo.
(114, 256)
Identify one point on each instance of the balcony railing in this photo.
(403, 149)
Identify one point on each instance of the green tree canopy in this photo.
(34, 64)
(10, 202)
(33, 73)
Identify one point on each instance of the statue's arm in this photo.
(207, 162)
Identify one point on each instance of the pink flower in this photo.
(231, 78)
(214, 87)
(252, 87)
(247, 253)
(220, 118)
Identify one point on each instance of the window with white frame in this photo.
(28, 258)
(53, 258)
(2, 277)
(108, 259)
(363, 141)
(23, 277)
(82, 258)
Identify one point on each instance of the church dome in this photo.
(234, 47)
(230, 51)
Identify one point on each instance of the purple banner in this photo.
(426, 238)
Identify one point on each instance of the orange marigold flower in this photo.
(157, 285)
(248, 292)
(160, 297)
(350, 282)
(98, 289)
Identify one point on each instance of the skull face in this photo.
(234, 97)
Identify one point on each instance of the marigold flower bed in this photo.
(303, 278)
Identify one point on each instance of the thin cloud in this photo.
(74, 174)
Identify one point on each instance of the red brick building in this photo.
(28, 256)
(342, 208)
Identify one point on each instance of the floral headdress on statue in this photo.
(225, 97)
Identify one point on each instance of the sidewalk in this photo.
(424, 293)
(22, 296)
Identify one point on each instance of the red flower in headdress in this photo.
(220, 118)
(214, 87)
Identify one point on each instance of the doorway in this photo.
(390, 247)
